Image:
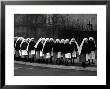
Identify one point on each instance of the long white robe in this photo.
(41, 54)
(24, 52)
(32, 52)
(48, 55)
(74, 54)
(68, 55)
(92, 55)
(59, 55)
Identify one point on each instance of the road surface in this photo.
(28, 70)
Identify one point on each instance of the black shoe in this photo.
(46, 61)
(83, 64)
(24, 59)
(92, 62)
(19, 58)
(66, 63)
(30, 60)
(89, 61)
(16, 58)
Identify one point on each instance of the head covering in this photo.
(43, 39)
(91, 38)
(86, 39)
(57, 40)
(39, 40)
(24, 40)
(67, 41)
(51, 39)
(15, 38)
(47, 39)
(73, 39)
(20, 38)
(80, 48)
(28, 39)
(32, 38)
(62, 40)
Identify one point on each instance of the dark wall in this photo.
(56, 26)
(50, 31)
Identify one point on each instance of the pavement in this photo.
(73, 67)
(28, 70)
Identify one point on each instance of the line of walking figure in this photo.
(55, 51)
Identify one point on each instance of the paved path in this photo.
(91, 68)
(29, 70)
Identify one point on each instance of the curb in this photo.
(58, 66)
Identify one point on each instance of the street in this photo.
(28, 70)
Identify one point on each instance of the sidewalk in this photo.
(75, 67)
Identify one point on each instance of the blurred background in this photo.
(56, 26)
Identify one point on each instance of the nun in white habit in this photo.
(38, 49)
(62, 45)
(24, 49)
(46, 51)
(17, 48)
(74, 50)
(56, 54)
(67, 51)
(84, 47)
(92, 49)
(31, 50)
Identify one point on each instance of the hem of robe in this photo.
(68, 55)
(24, 52)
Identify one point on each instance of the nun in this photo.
(84, 51)
(28, 40)
(47, 51)
(51, 48)
(62, 50)
(58, 61)
(56, 52)
(67, 51)
(74, 50)
(41, 43)
(17, 48)
(92, 49)
(38, 49)
(31, 50)
(24, 50)
(15, 39)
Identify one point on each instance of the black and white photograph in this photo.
(48, 44)
(55, 44)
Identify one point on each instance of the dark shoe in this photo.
(89, 61)
(93, 62)
(30, 60)
(83, 64)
